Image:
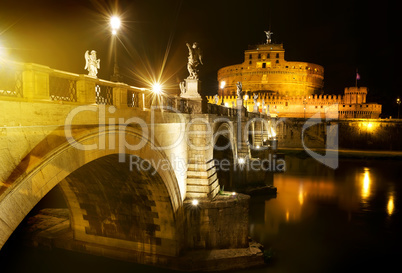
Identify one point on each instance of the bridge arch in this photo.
(225, 153)
(62, 163)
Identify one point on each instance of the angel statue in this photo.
(182, 86)
(239, 89)
(216, 99)
(255, 98)
(268, 33)
(91, 63)
(194, 60)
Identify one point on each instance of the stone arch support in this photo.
(46, 168)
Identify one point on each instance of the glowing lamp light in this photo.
(194, 202)
(246, 97)
(226, 104)
(233, 193)
(115, 23)
(157, 88)
(241, 160)
(223, 83)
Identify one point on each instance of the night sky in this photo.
(342, 36)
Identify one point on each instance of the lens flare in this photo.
(157, 88)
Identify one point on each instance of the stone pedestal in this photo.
(239, 103)
(255, 108)
(193, 86)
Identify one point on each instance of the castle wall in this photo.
(353, 134)
(306, 106)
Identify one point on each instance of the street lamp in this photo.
(115, 24)
(398, 101)
(223, 83)
(157, 88)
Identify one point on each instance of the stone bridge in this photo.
(139, 171)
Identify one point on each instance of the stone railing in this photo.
(33, 82)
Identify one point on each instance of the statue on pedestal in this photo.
(182, 88)
(255, 98)
(194, 60)
(216, 99)
(91, 63)
(239, 90)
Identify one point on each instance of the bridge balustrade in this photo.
(62, 87)
(11, 84)
(37, 82)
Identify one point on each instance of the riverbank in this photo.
(344, 153)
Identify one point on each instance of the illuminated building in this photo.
(288, 89)
(265, 70)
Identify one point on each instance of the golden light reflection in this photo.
(390, 206)
(287, 216)
(370, 126)
(366, 184)
(301, 197)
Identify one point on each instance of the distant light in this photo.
(226, 104)
(246, 97)
(258, 146)
(223, 83)
(194, 202)
(157, 88)
(241, 160)
(370, 125)
(115, 23)
(114, 32)
(233, 193)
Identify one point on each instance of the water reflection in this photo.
(366, 185)
(390, 205)
(322, 217)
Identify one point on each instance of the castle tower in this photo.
(355, 95)
(266, 71)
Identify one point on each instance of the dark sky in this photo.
(340, 35)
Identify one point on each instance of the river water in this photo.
(322, 220)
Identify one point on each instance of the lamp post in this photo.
(115, 24)
(223, 83)
(398, 101)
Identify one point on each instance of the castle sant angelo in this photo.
(287, 88)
